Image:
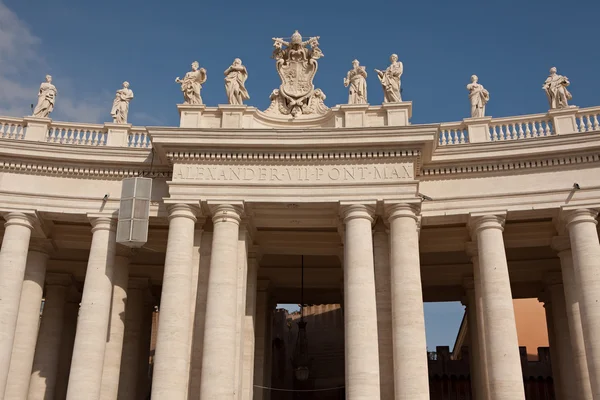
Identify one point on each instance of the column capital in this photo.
(491, 220)
(561, 244)
(350, 211)
(59, 279)
(102, 222)
(380, 226)
(226, 212)
(20, 218)
(401, 210)
(40, 245)
(571, 217)
(182, 210)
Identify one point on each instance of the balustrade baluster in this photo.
(589, 123)
(595, 126)
(521, 132)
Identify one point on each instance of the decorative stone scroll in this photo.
(297, 66)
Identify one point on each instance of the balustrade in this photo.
(453, 133)
(139, 139)
(522, 127)
(587, 119)
(90, 135)
(12, 128)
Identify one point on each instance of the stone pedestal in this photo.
(13, 259)
(37, 128)
(563, 120)
(478, 129)
(354, 115)
(118, 134)
(190, 115)
(232, 115)
(398, 114)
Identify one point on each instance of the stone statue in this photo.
(46, 99)
(120, 108)
(390, 80)
(356, 80)
(478, 96)
(191, 84)
(556, 90)
(235, 79)
(297, 66)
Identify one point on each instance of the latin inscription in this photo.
(292, 175)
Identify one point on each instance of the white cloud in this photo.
(22, 69)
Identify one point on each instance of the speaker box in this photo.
(134, 212)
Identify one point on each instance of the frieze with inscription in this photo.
(293, 175)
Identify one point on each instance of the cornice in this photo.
(289, 156)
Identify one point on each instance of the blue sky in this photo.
(91, 47)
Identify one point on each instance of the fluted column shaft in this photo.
(475, 352)
(411, 381)
(47, 354)
(581, 225)
(13, 258)
(94, 314)
(130, 359)
(169, 380)
(218, 357)
(114, 347)
(502, 346)
(360, 309)
(582, 377)
(381, 253)
(28, 323)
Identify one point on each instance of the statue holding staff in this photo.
(356, 82)
(390, 80)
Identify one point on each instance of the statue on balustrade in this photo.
(556, 90)
(478, 96)
(120, 108)
(390, 80)
(235, 79)
(191, 84)
(356, 80)
(46, 99)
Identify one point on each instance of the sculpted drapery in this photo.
(120, 108)
(390, 80)
(478, 97)
(235, 79)
(191, 84)
(356, 81)
(555, 87)
(46, 99)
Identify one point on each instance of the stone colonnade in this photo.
(210, 347)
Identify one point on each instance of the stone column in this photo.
(249, 327)
(27, 323)
(137, 292)
(261, 334)
(555, 362)
(411, 381)
(13, 258)
(194, 287)
(501, 343)
(475, 353)
(571, 289)
(66, 344)
(581, 225)
(94, 313)
(200, 314)
(482, 364)
(114, 346)
(242, 286)
(383, 295)
(360, 308)
(218, 357)
(170, 377)
(560, 322)
(47, 354)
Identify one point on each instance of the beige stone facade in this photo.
(387, 215)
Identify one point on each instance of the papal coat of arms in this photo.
(297, 65)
